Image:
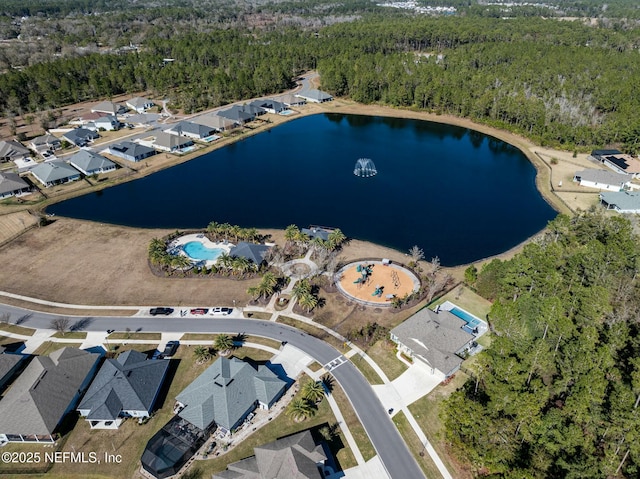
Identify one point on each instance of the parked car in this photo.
(199, 311)
(170, 349)
(162, 311)
(221, 311)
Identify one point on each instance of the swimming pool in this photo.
(197, 251)
(471, 320)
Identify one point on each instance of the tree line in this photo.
(560, 83)
(557, 393)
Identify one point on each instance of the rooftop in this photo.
(51, 171)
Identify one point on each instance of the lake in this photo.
(456, 193)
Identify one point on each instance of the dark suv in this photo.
(163, 311)
(170, 349)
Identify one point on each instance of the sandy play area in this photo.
(362, 280)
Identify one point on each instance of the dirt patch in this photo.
(80, 262)
(374, 282)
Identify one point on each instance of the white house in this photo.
(13, 150)
(55, 172)
(12, 185)
(91, 163)
(197, 131)
(621, 201)
(139, 104)
(603, 180)
(314, 96)
(109, 108)
(107, 123)
(168, 142)
(130, 151)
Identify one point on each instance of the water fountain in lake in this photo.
(365, 168)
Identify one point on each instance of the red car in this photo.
(199, 311)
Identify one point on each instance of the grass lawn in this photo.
(70, 335)
(143, 348)
(251, 353)
(15, 329)
(315, 366)
(416, 446)
(272, 343)
(313, 331)
(46, 348)
(384, 354)
(426, 412)
(366, 370)
(198, 337)
(465, 298)
(357, 431)
(257, 315)
(283, 425)
(132, 335)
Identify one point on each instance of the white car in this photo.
(221, 311)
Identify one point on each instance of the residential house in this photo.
(12, 185)
(253, 252)
(216, 122)
(55, 172)
(314, 96)
(91, 163)
(88, 118)
(238, 114)
(139, 104)
(618, 162)
(271, 106)
(171, 143)
(9, 366)
(108, 107)
(80, 136)
(130, 151)
(314, 232)
(603, 180)
(290, 100)
(107, 123)
(13, 150)
(292, 457)
(227, 391)
(142, 119)
(436, 339)
(44, 393)
(45, 143)
(621, 201)
(124, 387)
(197, 131)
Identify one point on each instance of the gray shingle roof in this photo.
(202, 131)
(171, 142)
(225, 392)
(269, 104)
(13, 149)
(214, 121)
(10, 182)
(435, 338)
(237, 113)
(252, 251)
(316, 95)
(47, 140)
(88, 161)
(131, 151)
(37, 400)
(292, 457)
(128, 383)
(52, 171)
(80, 135)
(602, 177)
(139, 102)
(107, 107)
(8, 362)
(624, 200)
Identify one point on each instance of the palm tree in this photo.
(240, 264)
(300, 409)
(318, 243)
(223, 344)
(291, 233)
(225, 228)
(254, 291)
(180, 262)
(214, 229)
(157, 245)
(270, 279)
(336, 238)
(224, 261)
(301, 288)
(250, 234)
(202, 354)
(308, 301)
(235, 231)
(313, 391)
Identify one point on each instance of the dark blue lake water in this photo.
(458, 194)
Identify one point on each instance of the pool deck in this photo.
(201, 238)
(483, 327)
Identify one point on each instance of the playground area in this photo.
(376, 283)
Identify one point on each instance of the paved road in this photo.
(385, 438)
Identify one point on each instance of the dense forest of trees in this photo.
(557, 393)
(559, 83)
